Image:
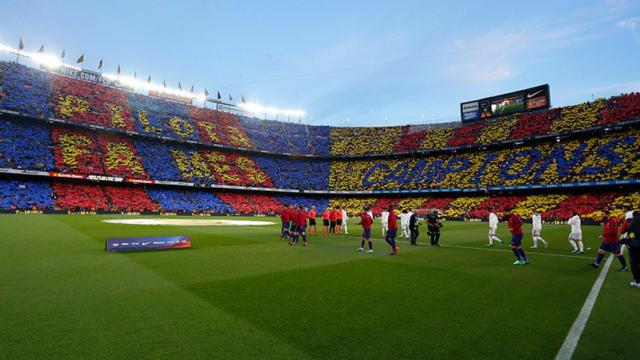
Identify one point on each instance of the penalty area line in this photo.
(571, 341)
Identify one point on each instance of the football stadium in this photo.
(146, 220)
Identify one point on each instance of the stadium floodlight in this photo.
(140, 84)
(254, 108)
(49, 61)
(53, 62)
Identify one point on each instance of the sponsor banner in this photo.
(171, 97)
(175, 183)
(539, 102)
(85, 75)
(23, 172)
(66, 176)
(104, 178)
(147, 243)
(511, 103)
(140, 181)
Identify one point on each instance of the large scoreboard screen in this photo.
(534, 98)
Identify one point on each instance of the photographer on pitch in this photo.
(434, 224)
(631, 238)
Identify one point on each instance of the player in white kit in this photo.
(404, 224)
(536, 230)
(345, 221)
(493, 227)
(384, 219)
(575, 237)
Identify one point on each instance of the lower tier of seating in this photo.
(45, 195)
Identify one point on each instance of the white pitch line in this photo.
(571, 341)
(528, 253)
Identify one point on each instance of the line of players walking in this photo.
(615, 236)
(300, 222)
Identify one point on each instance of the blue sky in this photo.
(350, 62)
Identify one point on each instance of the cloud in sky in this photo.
(632, 25)
(497, 55)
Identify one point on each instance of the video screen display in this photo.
(516, 102)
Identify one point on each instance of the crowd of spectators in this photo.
(287, 173)
(129, 199)
(188, 200)
(90, 103)
(614, 110)
(25, 89)
(287, 137)
(86, 152)
(216, 127)
(65, 196)
(80, 197)
(25, 145)
(39, 93)
(321, 203)
(25, 195)
(252, 203)
(608, 157)
(364, 140)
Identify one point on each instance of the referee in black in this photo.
(414, 223)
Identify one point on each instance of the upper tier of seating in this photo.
(36, 93)
(32, 145)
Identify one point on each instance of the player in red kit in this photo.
(312, 221)
(366, 221)
(285, 217)
(338, 228)
(610, 242)
(332, 221)
(393, 231)
(325, 221)
(515, 227)
(303, 216)
(293, 233)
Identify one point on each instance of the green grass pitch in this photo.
(240, 292)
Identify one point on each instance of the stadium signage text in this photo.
(148, 243)
(85, 75)
(531, 164)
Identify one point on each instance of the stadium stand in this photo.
(25, 195)
(252, 203)
(24, 89)
(606, 157)
(90, 104)
(191, 201)
(266, 135)
(106, 131)
(25, 145)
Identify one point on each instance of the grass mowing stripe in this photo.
(571, 341)
(470, 247)
(528, 253)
